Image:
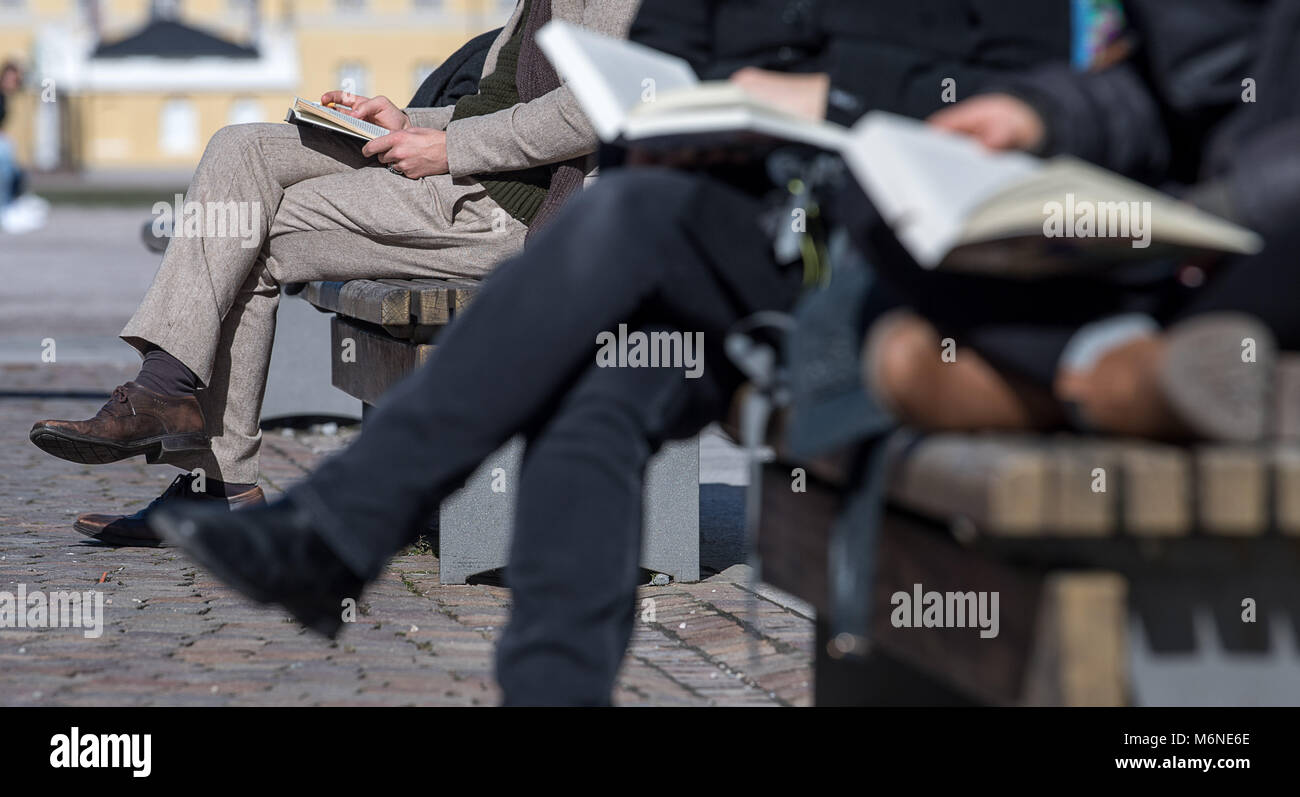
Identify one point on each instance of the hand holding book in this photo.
(415, 152)
(955, 198)
(376, 110)
(998, 121)
(801, 95)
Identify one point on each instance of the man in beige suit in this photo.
(449, 193)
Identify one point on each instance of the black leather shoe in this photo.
(271, 554)
(133, 530)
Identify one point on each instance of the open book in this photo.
(313, 113)
(631, 92)
(951, 203)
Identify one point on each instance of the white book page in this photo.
(609, 76)
(926, 181)
(342, 120)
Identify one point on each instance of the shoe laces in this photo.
(120, 396)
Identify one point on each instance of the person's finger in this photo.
(368, 108)
(958, 118)
(1000, 135)
(381, 144)
(339, 96)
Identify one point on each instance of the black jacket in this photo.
(881, 54)
(456, 76)
(1174, 111)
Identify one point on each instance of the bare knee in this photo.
(903, 358)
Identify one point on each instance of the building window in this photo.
(245, 111)
(354, 79)
(12, 5)
(350, 6)
(178, 128)
(427, 6)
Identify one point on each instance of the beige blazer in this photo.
(549, 129)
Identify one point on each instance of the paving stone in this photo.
(174, 636)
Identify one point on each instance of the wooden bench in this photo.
(1172, 543)
(383, 330)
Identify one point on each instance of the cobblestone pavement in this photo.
(173, 636)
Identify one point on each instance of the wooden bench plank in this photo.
(1232, 490)
(434, 302)
(998, 485)
(1286, 490)
(1012, 485)
(379, 360)
(1080, 654)
(1072, 507)
(1156, 489)
(365, 300)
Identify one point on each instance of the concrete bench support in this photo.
(475, 522)
(390, 326)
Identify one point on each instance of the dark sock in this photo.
(221, 489)
(165, 375)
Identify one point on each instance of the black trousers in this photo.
(653, 249)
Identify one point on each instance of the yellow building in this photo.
(141, 84)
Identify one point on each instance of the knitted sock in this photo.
(165, 375)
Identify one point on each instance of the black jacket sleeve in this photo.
(879, 56)
(1149, 116)
(684, 29)
(1263, 185)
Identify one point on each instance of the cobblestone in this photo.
(174, 636)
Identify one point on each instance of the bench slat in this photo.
(435, 301)
(998, 486)
(365, 300)
(380, 361)
(1156, 484)
(1020, 486)
(393, 303)
(1232, 490)
(1286, 490)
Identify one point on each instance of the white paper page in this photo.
(609, 76)
(925, 181)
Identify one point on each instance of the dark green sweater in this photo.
(520, 192)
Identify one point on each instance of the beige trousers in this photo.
(272, 204)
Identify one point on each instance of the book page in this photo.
(925, 181)
(609, 77)
(1072, 199)
(339, 119)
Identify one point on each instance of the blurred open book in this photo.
(950, 202)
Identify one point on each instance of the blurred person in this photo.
(449, 193)
(19, 212)
(659, 249)
(1147, 352)
(11, 79)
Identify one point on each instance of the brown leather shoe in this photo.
(133, 530)
(134, 421)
